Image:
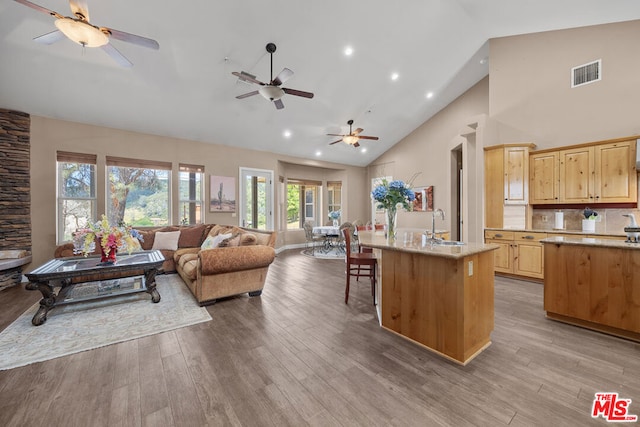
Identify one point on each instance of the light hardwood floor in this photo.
(299, 356)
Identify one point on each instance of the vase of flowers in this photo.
(110, 238)
(335, 216)
(391, 196)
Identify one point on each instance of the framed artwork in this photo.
(424, 199)
(223, 194)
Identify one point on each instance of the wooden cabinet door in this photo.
(529, 254)
(493, 187)
(615, 172)
(516, 171)
(544, 178)
(503, 256)
(576, 175)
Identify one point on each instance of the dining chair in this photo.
(311, 238)
(359, 265)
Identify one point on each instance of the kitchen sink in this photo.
(449, 243)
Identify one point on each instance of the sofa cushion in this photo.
(149, 237)
(234, 240)
(187, 258)
(166, 240)
(248, 239)
(191, 237)
(190, 269)
(181, 251)
(220, 229)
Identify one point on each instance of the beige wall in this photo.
(428, 151)
(530, 92)
(50, 135)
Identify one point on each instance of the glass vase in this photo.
(107, 258)
(391, 223)
(336, 223)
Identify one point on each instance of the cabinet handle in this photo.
(528, 237)
(497, 236)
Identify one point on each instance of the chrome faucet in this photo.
(440, 213)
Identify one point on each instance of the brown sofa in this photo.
(238, 265)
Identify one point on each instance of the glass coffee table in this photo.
(84, 278)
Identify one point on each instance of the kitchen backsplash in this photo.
(611, 220)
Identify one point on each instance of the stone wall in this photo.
(15, 182)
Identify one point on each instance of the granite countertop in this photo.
(576, 232)
(588, 241)
(420, 246)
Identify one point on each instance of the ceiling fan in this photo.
(353, 137)
(272, 90)
(81, 31)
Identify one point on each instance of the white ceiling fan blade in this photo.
(132, 38)
(116, 55)
(50, 38)
(284, 75)
(80, 7)
(39, 8)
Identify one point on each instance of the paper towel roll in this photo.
(559, 223)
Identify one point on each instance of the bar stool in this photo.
(359, 264)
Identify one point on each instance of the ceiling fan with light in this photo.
(353, 137)
(81, 31)
(272, 90)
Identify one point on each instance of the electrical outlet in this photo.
(470, 268)
(545, 218)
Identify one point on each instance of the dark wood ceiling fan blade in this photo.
(132, 38)
(335, 142)
(117, 56)
(80, 7)
(297, 92)
(357, 144)
(284, 75)
(278, 103)
(357, 131)
(335, 134)
(39, 8)
(50, 38)
(246, 95)
(246, 77)
(374, 138)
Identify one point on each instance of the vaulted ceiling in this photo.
(186, 89)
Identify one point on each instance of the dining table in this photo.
(331, 234)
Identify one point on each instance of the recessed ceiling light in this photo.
(287, 133)
(364, 150)
(429, 95)
(484, 60)
(348, 51)
(395, 76)
(318, 153)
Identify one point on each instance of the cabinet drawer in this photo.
(498, 235)
(529, 236)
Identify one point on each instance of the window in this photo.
(334, 191)
(191, 192)
(138, 191)
(302, 203)
(76, 192)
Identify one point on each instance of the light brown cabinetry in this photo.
(591, 173)
(519, 252)
(506, 184)
(544, 177)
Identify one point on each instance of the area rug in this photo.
(334, 253)
(79, 327)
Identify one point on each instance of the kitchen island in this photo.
(593, 283)
(439, 296)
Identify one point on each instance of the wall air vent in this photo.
(586, 73)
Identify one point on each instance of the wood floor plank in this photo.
(298, 355)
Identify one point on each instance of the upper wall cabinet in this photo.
(506, 169)
(586, 174)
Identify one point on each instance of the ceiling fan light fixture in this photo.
(82, 33)
(350, 139)
(272, 93)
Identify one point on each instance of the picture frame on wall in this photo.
(424, 199)
(222, 196)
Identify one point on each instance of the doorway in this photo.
(256, 198)
(457, 199)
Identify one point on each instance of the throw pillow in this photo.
(214, 241)
(231, 241)
(167, 240)
(248, 239)
(191, 237)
